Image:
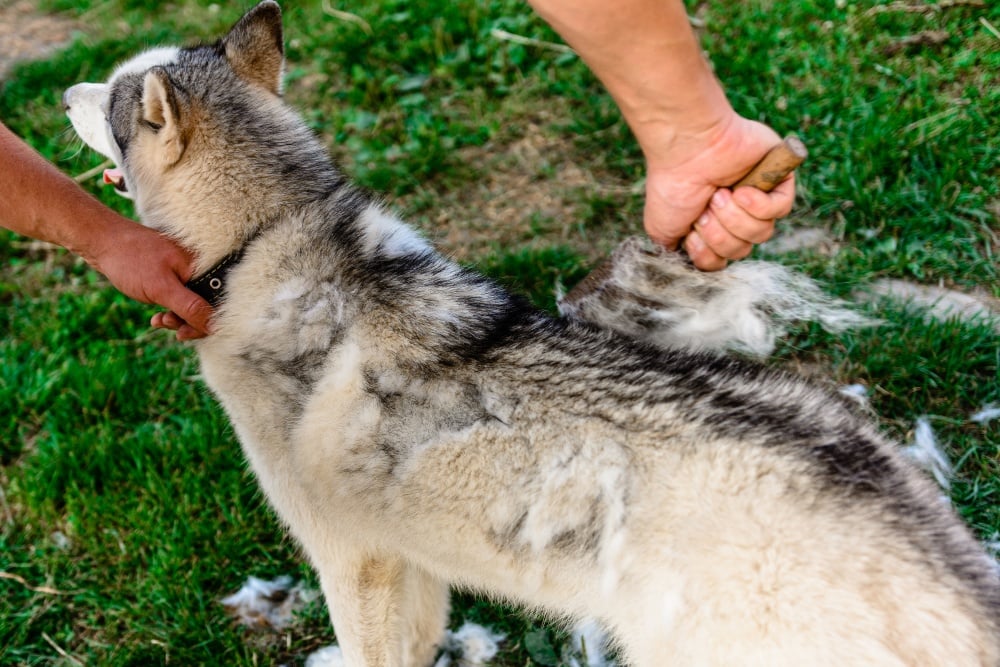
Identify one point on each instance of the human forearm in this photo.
(39, 201)
(649, 59)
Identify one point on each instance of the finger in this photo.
(166, 320)
(187, 332)
(701, 255)
(767, 205)
(718, 236)
(719, 240)
(732, 231)
(190, 308)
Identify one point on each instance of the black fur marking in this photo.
(125, 110)
(585, 538)
(297, 375)
(730, 396)
(850, 459)
(507, 539)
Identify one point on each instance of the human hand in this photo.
(149, 267)
(687, 199)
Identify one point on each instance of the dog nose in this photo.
(65, 100)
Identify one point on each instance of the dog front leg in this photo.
(424, 617)
(365, 595)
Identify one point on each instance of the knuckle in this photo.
(716, 263)
(742, 251)
(198, 311)
(766, 232)
(706, 259)
(658, 235)
(761, 232)
(721, 241)
(713, 233)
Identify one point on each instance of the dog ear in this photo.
(255, 48)
(161, 110)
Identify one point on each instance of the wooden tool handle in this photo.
(776, 165)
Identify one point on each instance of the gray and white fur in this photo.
(416, 426)
(656, 296)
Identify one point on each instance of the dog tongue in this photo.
(114, 177)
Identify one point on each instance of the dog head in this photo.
(200, 136)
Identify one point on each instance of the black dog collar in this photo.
(212, 284)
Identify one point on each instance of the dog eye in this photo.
(155, 127)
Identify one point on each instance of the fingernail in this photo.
(702, 220)
(720, 199)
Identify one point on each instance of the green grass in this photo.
(123, 486)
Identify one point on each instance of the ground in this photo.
(27, 34)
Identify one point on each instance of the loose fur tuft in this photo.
(928, 454)
(658, 297)
(268, 605)
(986, 415)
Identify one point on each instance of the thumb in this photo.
(188, 306)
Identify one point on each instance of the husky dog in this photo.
(416, 426)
